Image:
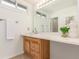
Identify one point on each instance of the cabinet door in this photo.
(26, 45)
(36, 48)
(46, 49)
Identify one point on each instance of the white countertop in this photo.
(55, 37)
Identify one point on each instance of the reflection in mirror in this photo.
(69, 19)
(49, 16)
(54, 24)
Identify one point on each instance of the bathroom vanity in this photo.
(38, 45)
(37, 48)
(47, 21)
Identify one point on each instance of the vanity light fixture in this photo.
(14, 3)
(9, 2)
(22, 7)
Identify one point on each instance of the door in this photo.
(2, 38)
(54, 24)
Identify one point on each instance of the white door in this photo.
(2, 29)
(2, 37)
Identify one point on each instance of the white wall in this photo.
(62, 50)
(10, 48)
(63, 13)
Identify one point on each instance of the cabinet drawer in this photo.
(35, 45)
(35, 55)
(36, 41)
(27, 38)
(36, 51)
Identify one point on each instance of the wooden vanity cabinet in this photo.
(37, 48)
(26, 45)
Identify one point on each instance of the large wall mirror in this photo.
(52, 14)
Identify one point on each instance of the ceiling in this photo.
(57, 4)
(34, 2)
(53, 6)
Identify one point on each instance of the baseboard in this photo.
(16, 55)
